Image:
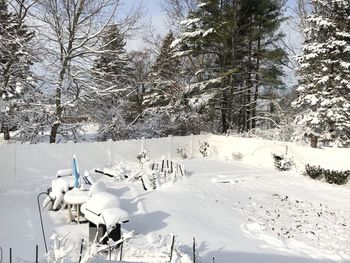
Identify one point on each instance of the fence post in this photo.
(191, 146)
(16, 160)
(142, 144)
(110, 155)
(169, 149)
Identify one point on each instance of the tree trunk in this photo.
(53, 132)
(6, 131)
(249, 87)
(224, 114)
(313, 140)
(257, 79)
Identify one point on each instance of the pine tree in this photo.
(164, 77)
(323, 99)
(114, 85)
(16, 84)
(163, 102)
(236, 42)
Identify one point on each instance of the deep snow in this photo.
(228, 206)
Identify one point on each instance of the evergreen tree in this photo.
(323, 99)
(112, 78)
(236, 40)
(164, 104)
(16, 82)
(164, 77)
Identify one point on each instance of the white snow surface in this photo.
(243, 210)
(234, 210)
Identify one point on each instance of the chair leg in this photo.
(69, 213)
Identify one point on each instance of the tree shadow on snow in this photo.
(147, 223)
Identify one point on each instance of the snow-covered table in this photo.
(75, 197)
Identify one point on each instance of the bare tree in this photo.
(177, 10)
(300, 10)
(72, 31)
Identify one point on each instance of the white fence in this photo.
(20, 161)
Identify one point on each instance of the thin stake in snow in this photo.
(172, 249)
(10, 255)
(143, 184)
(81, 249)
(162, 166)
(194, 250)
(180, 168)
(36, 254)
(121, 251)
(0, 254)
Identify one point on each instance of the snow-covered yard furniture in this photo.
(75, 197)
(105, 216)
(60, 185)
(64, 172)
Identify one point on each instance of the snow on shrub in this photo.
(151, 174)
(204, 148)
(336, 177)
(331, 176)
(182, 151)
(143, 156)
(282, 162)
(64, 250)
(313, 171)
(237, 156)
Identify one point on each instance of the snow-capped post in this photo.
(169, 153)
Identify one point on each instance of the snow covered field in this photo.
(238, 212)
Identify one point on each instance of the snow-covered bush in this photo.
(313, 171)
(284, 132)
(237, 156)
(331, 176)
(336, 177)
(182, 151)
(143, 156)
(204, 148)
(282, 162)
(150, 173)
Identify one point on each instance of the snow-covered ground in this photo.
(237, 212)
